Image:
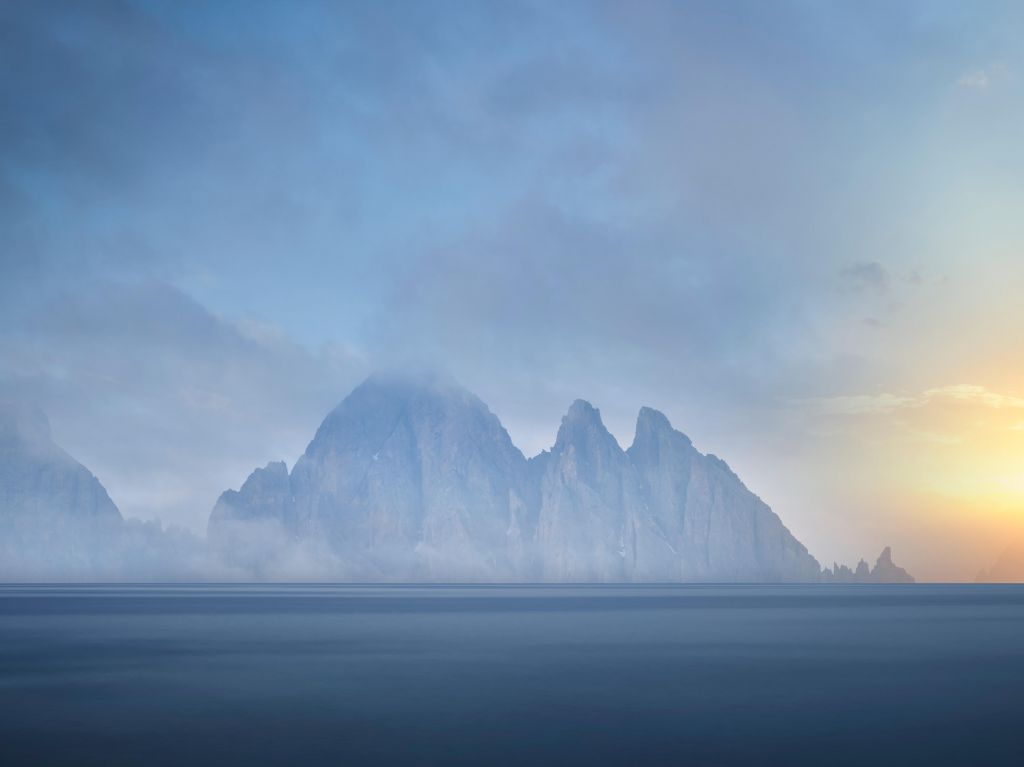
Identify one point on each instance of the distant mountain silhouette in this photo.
(1008, 568)
(52, 509)
(884, 571)
(58, 522)
(413, 478)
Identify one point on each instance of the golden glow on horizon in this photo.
(942, 467)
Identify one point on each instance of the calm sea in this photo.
(517, 675)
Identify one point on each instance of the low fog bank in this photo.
(135, 551)
(118, 551)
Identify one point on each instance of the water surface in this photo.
(518, 675)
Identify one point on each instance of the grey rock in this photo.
(266, 494)
(40, 484)
(884, 571)
(413, 478)
(590, 503)
(53, 511)
(57, 521)
(405, 479)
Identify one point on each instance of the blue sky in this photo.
(216, 218)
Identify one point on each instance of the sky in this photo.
(793, 227)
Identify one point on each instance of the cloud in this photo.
(973, 394)
(866, 275)
(976, 79)
(568, 305)
(857, 404)
(650, 206)
(886, 403)
(983, 78)
(167, 403)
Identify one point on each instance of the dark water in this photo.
(822, 675)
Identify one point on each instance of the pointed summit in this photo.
(26, 426)
(413, 378)
(653, 426)
(265, 495)
(655, 436)
(884, 571)
(582, 425)
(39, 482)
(582, 411)
(587, 489)
(401, 386)
(652, 420)
(373, 411)
(412, 477)
(887, 571)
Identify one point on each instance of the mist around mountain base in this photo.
(414, 479)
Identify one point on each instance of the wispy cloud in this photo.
(884, 403)
(976, 79)
(983, 78)
(978, 395)
(866, 275)
(167, 402)
(856, 404)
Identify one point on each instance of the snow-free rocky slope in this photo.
(884, 571)
(52, 509)
(40, 484)
(415, 479)
(57, 521)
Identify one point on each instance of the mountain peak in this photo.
(887, 571)
(422, 378)
(651, 423)
(581, 416)
(374, 407)
(24, 423)
(41, 483)
(580, 409)
(884, 571)
(653, 419)
(412, 476)
(276, 468)
(582, 424)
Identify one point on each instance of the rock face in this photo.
(588, 496)
(52, 509)
(884, 571)
(40, 484)
(414, 478)
(405, 478)
(57, 521)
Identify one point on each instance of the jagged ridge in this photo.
(415, 478)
